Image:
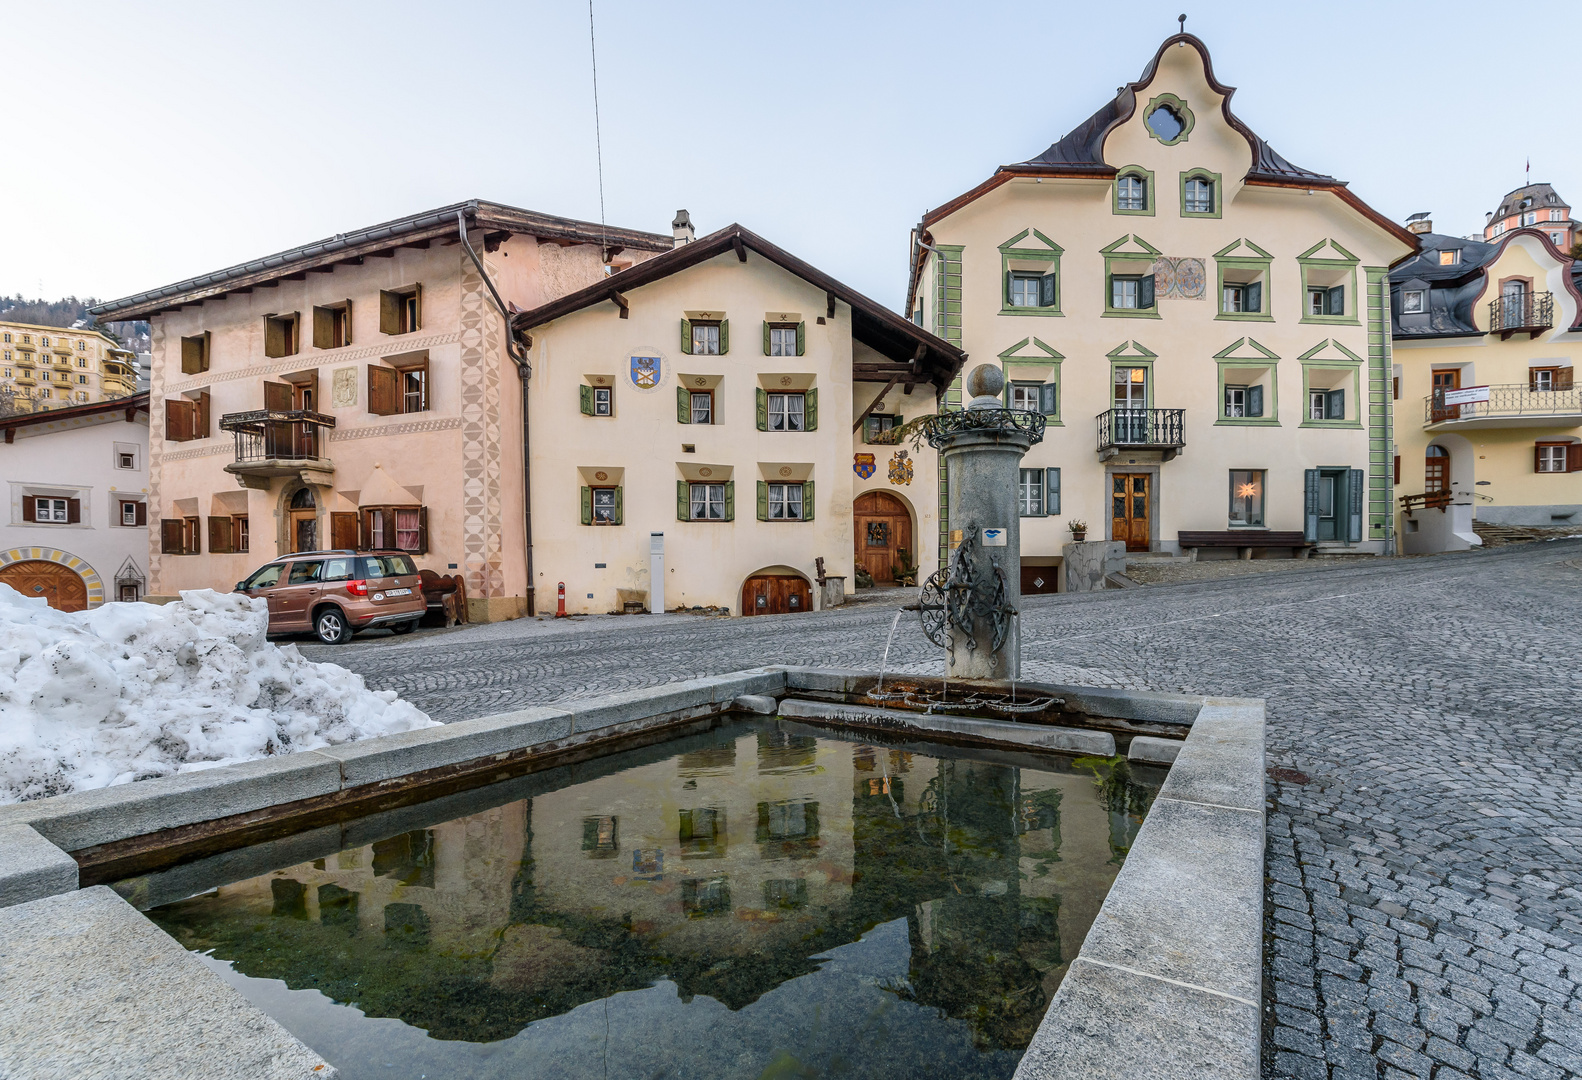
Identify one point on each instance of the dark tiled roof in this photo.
(1542, 196)
(1451, 289)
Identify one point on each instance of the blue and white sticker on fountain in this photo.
(993, 537)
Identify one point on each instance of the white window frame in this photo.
(785, 498)
(1125, 292)
(50, 510)
(1412, 301)
(128, 518)
(1205, 189)
(1316, 403)
(1557, 215)
(705, 339)
(780, 405)
(603, 513)
(713, 495)
(1235, 401)
(705, 398)
(1529, 218)
(1024, 289)
(1551, 456)
(782, 341)
(1131, 193)
(1025, 396)
(1030, 493)
(603, 400)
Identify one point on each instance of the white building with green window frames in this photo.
(1205, 325)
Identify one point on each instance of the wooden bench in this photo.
(1244, 540)
(446, 595)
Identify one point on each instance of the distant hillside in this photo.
(72, 313)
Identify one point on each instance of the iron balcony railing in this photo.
(1509, 399)
(1153, 428)
(277, 435)
(1523, 312)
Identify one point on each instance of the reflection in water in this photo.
(767, 903)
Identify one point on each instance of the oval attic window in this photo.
(1166, 123)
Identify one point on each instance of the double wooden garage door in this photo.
(776, 594)
(60, 585)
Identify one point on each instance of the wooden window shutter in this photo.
(219, 535)
(1397, 468)
(417, 292)
(422, 531)
(1574, 457)
(763, 409)
(807, 500)
(1335, 302)
(178, 420)
(1046, 290)
(587, 505)
(170, 532)
(810, 410)
(277, 396)
(801, 339)
(686, 336)
(192, 540)
(389, 312)
(1254, 401)
(200, 417)
(1310, 506)
(1538, 457)
(1048, 399)
(274, 336)
(1563, 379)
(1334, 405)
(384, 390)
(683, 405)
(323, 327)
(620, 508)
(1252, 297)
(763, 501)
(725, 336)
(767, 330)
(1145, 292)
(29, 508)
(1051, 491)
(343, 531)
(730, 500)
(346, 337)
(585, 399)
(369, 530)
(189, 356)
(73, 511)
(683, 501)
(1010, 278)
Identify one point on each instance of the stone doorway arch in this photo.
(882, 531)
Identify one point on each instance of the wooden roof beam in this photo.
(621, 302)
(741, 251)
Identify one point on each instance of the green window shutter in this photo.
(620, 515)
(683, 405)
(763, 409)
(1254, 401)
(1051, 492)
(1145, 292)
(1252, 297)
(1046, 290)
(587, 506)
(725, 336)
(585, 392)
(1109, 280)
(1336, 304)
(1354, 493)
(766, 337)
(1335, 405)
(1048, 399)
(730, 500)
(801, 339)
(807, 500)
(686, 336)
(1005, 394)
(683, 501)
(763, 501)
(810, 410)
(898, 421)
(1310, 509)
(1009, 278)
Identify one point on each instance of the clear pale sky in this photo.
(180, 138)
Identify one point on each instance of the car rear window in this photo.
(378, 566)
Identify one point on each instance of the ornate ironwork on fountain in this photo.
(969, 608)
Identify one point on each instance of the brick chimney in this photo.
(681, 228)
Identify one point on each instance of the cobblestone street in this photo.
(1424, 859)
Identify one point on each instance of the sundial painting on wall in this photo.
(646, 368)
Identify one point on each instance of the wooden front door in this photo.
(304, 530)
(1436, 470)
(61, 586)
(1130, 510)
(1448, 379)
(883, 532)
(776, 594)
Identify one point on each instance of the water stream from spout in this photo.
(886, 661)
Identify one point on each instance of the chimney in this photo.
(681, 228)
(1419, 223)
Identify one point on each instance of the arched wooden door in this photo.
(883, 531)
(60, 585)
(776, 594)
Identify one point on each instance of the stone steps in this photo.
(1495, 535)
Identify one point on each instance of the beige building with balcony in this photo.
(358, 392)
(1204, 324)
(1488, 415)
(54, 367)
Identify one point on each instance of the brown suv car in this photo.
(337, 593)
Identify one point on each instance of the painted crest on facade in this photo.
(863, 465)
(646, 372)
(1180, 278)
(900, 468)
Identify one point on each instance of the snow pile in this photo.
(132, 691)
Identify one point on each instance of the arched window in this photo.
(1436, 471)
(1199, 196)
(1132, 193)
(303, 500)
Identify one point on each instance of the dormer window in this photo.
(1413, 301)
(1132, 193)
(1452, 257)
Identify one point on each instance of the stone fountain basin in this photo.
(1167, 982)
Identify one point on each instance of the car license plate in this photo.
(398, 592)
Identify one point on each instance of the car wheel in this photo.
(405, 627)
(332, 627)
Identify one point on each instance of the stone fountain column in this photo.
(982, 448)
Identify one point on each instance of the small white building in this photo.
(75, 529)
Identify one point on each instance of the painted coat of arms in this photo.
(646, 372)
(863, 465)
(900, 468)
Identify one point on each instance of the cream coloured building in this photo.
(53, 367)
(361, 391)
(712, 414)
(1488, 415)
(1204, 324)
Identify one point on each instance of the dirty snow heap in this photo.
(132, 691)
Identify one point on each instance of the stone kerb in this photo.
(31, 867)
(1168, 981)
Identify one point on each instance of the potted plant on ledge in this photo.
(1079, 531)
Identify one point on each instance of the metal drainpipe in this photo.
(524, 372)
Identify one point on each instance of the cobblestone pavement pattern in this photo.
(1424, 891)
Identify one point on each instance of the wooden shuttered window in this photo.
(585, 399)
(384, 390)
(810, 409)
(807, 500)
(683, 501)
(332, 325)
(401, 310)
(195, 354)
(730, 485)
(200, 416)
(683, 405)
(1254, 405)
(770, 327)
(1252, 297)
(221, 540)
(343, 532)
(763, 408)
(587, 506)
(179, 414)
(171, 534)
(277, 396)
(282, 334)
(763, 499)
(1335, 300)
(1334, 404)
(1051, 491)
(1145, 291)
(29, 508)
(398, 528)
(686, 336)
